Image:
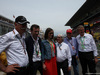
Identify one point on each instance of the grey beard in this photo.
(23, 28)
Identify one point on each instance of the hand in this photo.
(12, 68)
(44, 66)
(69, 68)
(76, 57)
(73, 47)
(96, 60)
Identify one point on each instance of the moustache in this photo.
(23, 28)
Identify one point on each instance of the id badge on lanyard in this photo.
(38, 52)
(21, 43)
(82, 42)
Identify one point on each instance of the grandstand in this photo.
(6, 25)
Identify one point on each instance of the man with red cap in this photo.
(71, 41)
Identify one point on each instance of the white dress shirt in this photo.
(88, 43)
(16, 53)
(63, 53)
(35, 56)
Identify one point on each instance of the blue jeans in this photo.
(75, 66)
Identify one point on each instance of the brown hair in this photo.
(34, 26)
(46, 33)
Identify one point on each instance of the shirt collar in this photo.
(34, 39)
(83, 36)
(59, 44)
(68, 38)
(17, 34)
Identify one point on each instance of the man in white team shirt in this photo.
(14, 45)
(63, 56)
(87, 51)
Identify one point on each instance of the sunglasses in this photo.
(69, 33)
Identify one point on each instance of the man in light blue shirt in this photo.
(71, 41)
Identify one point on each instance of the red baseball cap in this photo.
(68, 31)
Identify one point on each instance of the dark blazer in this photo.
(30, 48)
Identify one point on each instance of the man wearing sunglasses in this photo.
(71, 41)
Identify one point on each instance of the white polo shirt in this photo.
(63, 53)
(11, 43)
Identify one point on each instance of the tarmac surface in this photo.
(80, 70)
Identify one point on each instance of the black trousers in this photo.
(22, 71)
(87, 60)
(64, 66)
(36, 66)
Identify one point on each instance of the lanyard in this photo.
(38, 52)
(52, 46)
(59, 45)
(70, 42)
(20, 42)
(82, 45)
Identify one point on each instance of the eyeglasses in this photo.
(50, 33)
(59, 37)
(69, 33)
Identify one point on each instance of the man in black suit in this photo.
(35, 51)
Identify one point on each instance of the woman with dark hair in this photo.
(50, 66)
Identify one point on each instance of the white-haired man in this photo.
(63, 56)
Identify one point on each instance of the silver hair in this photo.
(59, 35)
(80, 26)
